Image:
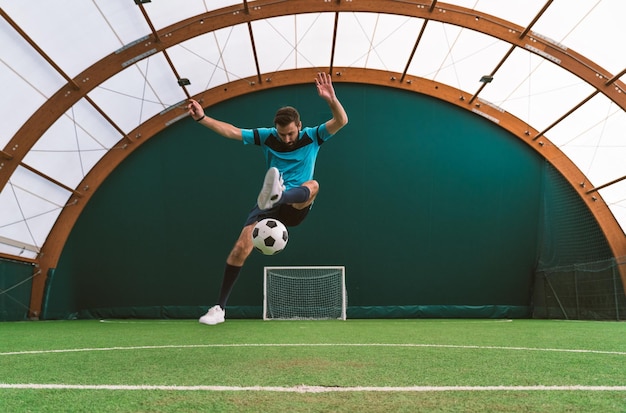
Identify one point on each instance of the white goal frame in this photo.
(268, 301)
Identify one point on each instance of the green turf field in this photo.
(313, 366)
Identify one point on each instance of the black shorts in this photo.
(285, 213)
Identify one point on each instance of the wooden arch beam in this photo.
(53, 247)
(517, 36)
(77, 88)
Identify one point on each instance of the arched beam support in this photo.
(81, 85)
(53, 247)
(159, 41)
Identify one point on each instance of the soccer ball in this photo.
(270, 236)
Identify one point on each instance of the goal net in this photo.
(304, 293)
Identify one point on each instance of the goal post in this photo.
(304, 293)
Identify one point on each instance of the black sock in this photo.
(230, 276)
(295, 195)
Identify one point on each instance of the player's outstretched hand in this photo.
(195, 110)
(325, 86)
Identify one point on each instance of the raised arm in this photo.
(327, 92)
(221, 128)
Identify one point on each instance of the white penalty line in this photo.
(397, 345)
(304, 388)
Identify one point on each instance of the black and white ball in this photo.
(270, 236)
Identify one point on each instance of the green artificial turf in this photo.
(357, 365)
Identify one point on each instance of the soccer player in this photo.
(289, 188)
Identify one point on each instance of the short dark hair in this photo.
(286, 115)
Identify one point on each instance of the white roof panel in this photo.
(518, 12)
(29, 80)
(138, 92)
(73, 42)
(535, 90)
(591, 28)
(215, 58)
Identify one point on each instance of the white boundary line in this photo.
(409, 345)
(307, 389)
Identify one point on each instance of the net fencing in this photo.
(304, 293)
(577, 276)
(590, 291)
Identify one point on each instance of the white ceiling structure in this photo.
(48, 46)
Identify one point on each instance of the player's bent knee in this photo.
(313, 186)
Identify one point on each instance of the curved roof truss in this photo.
(160, 41)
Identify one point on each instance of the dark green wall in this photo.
(428, 206)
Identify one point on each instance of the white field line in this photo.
(307, 389)
(406, 345)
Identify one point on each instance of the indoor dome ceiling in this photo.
(61, 51)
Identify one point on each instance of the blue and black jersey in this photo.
(296, 163)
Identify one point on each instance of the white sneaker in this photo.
(272, 189)
(215, 315)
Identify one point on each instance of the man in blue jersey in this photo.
(289, 188)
